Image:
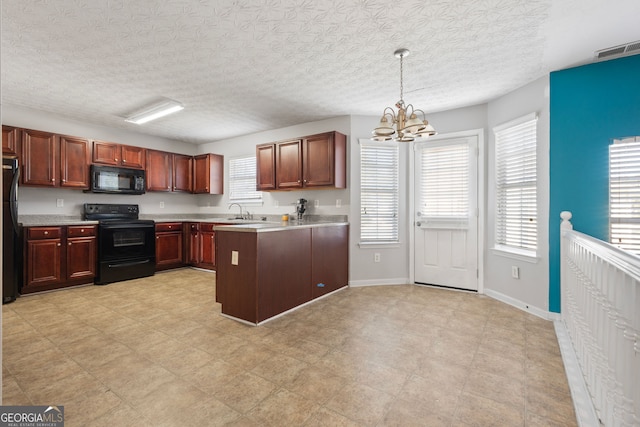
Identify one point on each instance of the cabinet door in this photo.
(10, 140)
(74, 162)
(265, 167)
(133, 157)
(39, 158)
(208, 171)
(324, 162)
(329, 259)
(208, 244)
(81, 258)
(289, 164)
(43, 264)
(194, 244)
(182, 173)
(169, 252)
(159, 167)
(106, 153)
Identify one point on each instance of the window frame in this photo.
(623, 211)
(502, 246)
(393, 220)
(258, 200)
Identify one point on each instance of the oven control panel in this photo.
(96, 211)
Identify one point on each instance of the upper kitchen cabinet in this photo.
(10, 138)
(110, 153)
(208, 170)
(182, 173)
(316, 161)
(53, 160)
(159, 170)
(266, 167)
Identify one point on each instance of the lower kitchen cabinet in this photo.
(263, 274)
(202, 245)
(169, 245)
(57, 257)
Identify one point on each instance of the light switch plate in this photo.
(234, 257)
(316, 203)
(59, 203)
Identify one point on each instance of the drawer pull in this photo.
(46, 232)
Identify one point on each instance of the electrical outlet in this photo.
(376, 257)
(338, 203)
(59, 203)
(515, 272)
(276, 204)
(316, 203)
(161, 205)
(234, 257)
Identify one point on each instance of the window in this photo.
(516, 186)
(242, 181)
(444, 184)
(624, 194)
(379, 192)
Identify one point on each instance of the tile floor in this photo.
(156, 351)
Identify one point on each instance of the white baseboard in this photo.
(378, 282)
(585, 412)
(547, 315)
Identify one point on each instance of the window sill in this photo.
(517, 254)
(374, 245)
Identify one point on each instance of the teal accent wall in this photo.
(589, 107)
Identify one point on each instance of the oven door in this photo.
(126, 241)
(126, 250)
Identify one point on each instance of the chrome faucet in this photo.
(237, 204)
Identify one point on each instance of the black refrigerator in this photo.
(11, 252)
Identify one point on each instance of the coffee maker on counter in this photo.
(301, 207)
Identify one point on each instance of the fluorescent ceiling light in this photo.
(155, 111)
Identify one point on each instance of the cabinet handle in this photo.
(59, 244)
(124, 161)
(115, 160)
(64, 180)
(46, 233)
(69, 243)
(53, 180)
(170, 227)
(157, 237)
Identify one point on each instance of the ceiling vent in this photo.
(617, 51)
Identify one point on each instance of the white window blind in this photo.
(624, 194)
(242, 181)
(444, 184)
(379, 193)
(516, 185)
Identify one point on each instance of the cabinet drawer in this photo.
(81, 230)
(34, 233)
(169, 226)
(207, 226)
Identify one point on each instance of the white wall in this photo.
(34, 200)
(531, 291)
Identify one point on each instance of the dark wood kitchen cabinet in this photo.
(54, 160)
(169, 245)
(159, 170)
(208, 172)
(111, 153)
(263, 274)
(315, 161)
(266, 167)
(202, 245)
(10, 138)
(57, 257)
(182, 173)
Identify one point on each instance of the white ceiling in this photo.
(242, 67)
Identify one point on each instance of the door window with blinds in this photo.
(379, 192)
(624, 194)
(444, 185)
(516, 221)
(242, 181)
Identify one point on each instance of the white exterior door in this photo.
(446, 217)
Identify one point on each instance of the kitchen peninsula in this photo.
(266, 269)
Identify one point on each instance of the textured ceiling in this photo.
(242, 67)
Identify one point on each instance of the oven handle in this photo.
(125, 225)
(129, 264)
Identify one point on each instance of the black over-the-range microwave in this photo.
(108, 179)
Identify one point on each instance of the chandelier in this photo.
(408, 126)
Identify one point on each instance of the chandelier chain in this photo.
(401, 81)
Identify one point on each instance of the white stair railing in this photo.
(601, 311)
